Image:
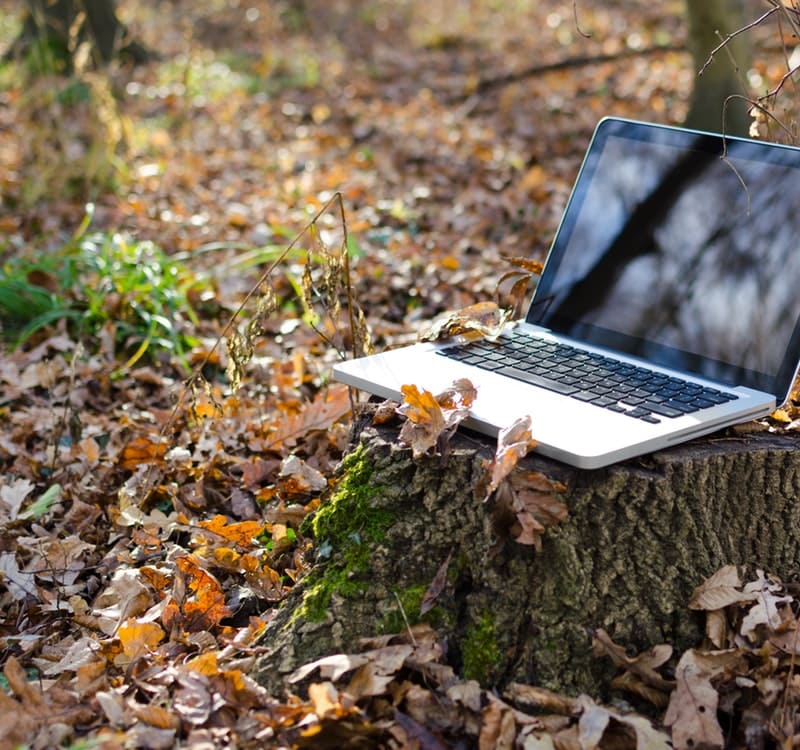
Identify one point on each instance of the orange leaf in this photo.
(227, 558)
(142, 450)
(206, 607)
(424, 419)
(138, 638)
(157, 716)
(428, 417)
(206, 664)
(242, 533)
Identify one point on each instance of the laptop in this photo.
(668, 306)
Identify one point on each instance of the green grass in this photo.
(98, 280)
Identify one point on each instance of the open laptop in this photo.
(668, 306)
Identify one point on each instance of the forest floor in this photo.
(150, 522)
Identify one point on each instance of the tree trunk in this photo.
(711, 107)
(639, 537)
(58, 26)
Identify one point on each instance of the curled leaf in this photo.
(513, 443)
(429, 417)
(484, 319)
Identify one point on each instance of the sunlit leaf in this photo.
(482, 319)
(138, 638)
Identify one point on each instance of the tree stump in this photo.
(638, 539)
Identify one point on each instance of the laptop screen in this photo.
(682, 249)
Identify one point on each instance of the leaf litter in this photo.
(143, 547)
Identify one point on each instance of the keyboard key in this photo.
(662, 409)
(542, 382)
(650, 418)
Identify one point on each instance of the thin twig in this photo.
(405, 619)
(584, 34)
(724, 43)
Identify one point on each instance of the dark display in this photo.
(682, 249)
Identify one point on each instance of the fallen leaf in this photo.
(330, 667)
(720, 590)
(484, 319)
(437, 586)
(139, 638)
(692, 711)
(498, 729)
(644, 665)
(143, 450)
(595, 720)
(513, 443)
(324, 699)
(13, 495)
(243, 533)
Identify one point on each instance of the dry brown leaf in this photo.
(541, 699)
(437, 586)
(482, 319)
(366, 681)
(429, 417)
(692, 712)
(630, 683)
(17, 727)
(143, 450)
(330, 667)
(596, 721)
(157, 716)
(324, 699)
(12, 496)
(193, 702)
(769, 609)
(720, 590)
(643, 666)
(498, 728)
(513, 443)
(327, 407)
(535, 502)
(29, 694)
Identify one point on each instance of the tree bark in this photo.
(639, 537)
(711, 107)
(54, 23)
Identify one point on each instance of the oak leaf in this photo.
(429, 418)
(242, 533)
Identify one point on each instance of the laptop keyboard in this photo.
(619, 386)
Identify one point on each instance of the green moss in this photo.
(350, 525)
(348, 516)
(481, 656)
(409, 601)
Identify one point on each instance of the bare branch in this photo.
(733, 35)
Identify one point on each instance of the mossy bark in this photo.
(639, 538)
